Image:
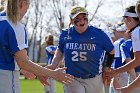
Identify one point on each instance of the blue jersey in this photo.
(84, 53)
(50, 56)
(117, 56)
(126, 51)
(12, 39)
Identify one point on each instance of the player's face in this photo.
(81, 22)
(129, 22)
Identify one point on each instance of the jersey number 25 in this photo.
(79, 56)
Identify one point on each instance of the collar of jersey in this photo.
(81, 33)
(133, 28)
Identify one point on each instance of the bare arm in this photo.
(131, 71)
(25, 63)
(130, 65)
(128, 89)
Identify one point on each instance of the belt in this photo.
(88, 76)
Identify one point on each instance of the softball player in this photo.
(50, 50)
(83, 47)
(13, 44)
(122, 78)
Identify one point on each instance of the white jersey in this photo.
(136, 39)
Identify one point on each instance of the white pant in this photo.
(50, 89)
(122, 79)
(9, 81)
(91, 85)
(106, 89)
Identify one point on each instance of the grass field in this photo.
(34, 86)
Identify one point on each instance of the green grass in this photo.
(34, 86)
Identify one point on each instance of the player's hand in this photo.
(27, 74)
(44, 80)
(60, 76)
(51, 67)
(106, 77)
(109, 73)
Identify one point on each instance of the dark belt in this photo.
(88, 76)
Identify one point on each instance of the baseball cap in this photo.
(119, 28)
(76, 11)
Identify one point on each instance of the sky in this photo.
(114, 8)
(111, 10)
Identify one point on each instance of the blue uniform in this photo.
(50, 89)
(12, 39)
(127, 52)
(50, 56)
(84, 53)
(117, 57)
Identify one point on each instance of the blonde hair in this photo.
(13, 10)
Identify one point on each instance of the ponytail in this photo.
(12, 10)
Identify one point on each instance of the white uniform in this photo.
(136, 45)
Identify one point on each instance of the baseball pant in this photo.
(91, 85)
(122, 79)
(50, 89)
(9, 81)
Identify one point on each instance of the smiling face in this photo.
(80, 22)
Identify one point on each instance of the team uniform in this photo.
(50, 89)
(83, 55)
(49, 55)
(136, 46)
(126, 49)
(13, 38)
(127, 52)
(121, 78)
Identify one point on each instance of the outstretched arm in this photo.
(131, 87)
(130, 65)
(25, 63)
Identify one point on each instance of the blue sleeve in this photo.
(106, 42)
(13, 45)
(61, 42)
